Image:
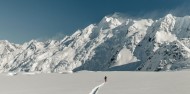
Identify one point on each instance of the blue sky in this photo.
(23, 20)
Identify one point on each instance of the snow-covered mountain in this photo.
(115, 43)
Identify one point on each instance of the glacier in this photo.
(116, 43)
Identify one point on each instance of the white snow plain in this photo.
(93, 83)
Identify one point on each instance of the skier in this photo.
(105, 78)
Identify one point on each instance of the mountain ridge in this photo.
(115, 43)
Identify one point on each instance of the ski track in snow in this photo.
(95, 90)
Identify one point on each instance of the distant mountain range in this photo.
(116, 43)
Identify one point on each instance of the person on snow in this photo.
(105, 78)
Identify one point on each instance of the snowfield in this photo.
(93, 83)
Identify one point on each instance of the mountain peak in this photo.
(110, 22)
(169, 16)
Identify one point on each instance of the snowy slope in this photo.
(115, 43)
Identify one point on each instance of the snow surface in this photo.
(96, 89)
(89, 82)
